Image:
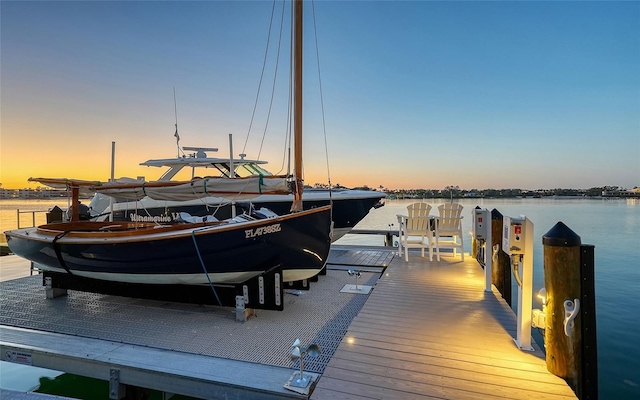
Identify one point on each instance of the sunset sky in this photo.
(416, 94)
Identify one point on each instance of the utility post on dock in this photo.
(482, 243)
(570, 318)
(518, 242)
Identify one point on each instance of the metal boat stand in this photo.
(263, 292)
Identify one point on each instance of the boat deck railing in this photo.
(33, 217)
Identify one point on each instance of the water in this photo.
(30, 211)
(611, 225)
(20, 378)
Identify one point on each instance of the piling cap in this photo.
(561, 236)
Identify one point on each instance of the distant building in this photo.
(616, 192)
(8, 193)
(38, 193)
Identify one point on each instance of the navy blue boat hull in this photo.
(232, 253)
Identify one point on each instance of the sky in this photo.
(400, 94)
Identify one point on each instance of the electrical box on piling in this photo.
(482, 237)
(481, 224)
(517, 240)
(514, 235)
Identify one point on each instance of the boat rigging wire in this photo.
(289, 136)
(324, 126)
(273, 86)
(264, 64)
(287, 150)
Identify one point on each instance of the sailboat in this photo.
(190, 252)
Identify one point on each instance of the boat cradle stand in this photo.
(263, 292)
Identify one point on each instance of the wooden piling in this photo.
(501, 268)
(561, 247)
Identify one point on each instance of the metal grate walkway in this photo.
(320, 315)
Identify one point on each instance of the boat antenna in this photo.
(175, 111)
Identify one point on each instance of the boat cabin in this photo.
(197, 163)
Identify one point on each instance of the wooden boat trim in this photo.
(115, 229)
(111, 230)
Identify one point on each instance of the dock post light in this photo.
(356, 289)
(542, 295)
(538, 316)
(355, 273)
(298, 351)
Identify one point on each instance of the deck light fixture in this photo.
(538, 316)
(542, 295)
(299, 380)
(355, 273)
(357, 289)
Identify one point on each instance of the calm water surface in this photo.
(611, 225)
(30, 210)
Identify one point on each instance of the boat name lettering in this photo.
(149, 218)
(263, 230)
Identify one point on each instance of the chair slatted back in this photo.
(418, 217)
(450, 217)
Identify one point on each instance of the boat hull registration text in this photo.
(262, 230)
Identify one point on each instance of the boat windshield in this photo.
(249, 169)
(221, 169)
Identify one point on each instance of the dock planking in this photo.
(345, 256)
(428, 330)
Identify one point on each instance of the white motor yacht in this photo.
(350, 206)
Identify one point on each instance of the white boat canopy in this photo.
(230, 188)
(133, 189)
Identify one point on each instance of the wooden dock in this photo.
(428, 331)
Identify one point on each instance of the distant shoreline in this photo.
(450, 192)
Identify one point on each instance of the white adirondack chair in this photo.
(448, 231)
(415, 230)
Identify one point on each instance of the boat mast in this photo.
(297, 106)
